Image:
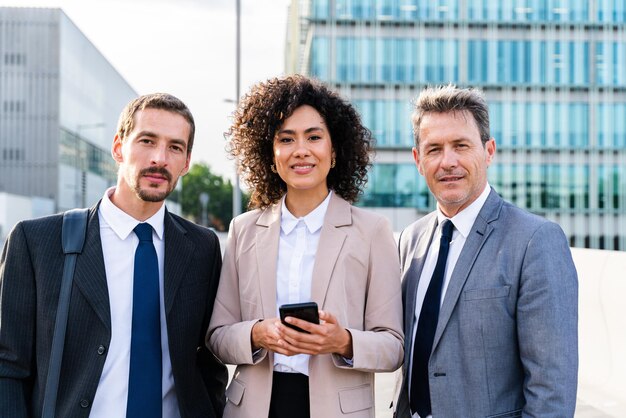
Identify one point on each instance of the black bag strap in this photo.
(73, 238)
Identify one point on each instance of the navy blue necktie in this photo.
(426, 326)
(144, 382)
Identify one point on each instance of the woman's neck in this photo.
(302, 202)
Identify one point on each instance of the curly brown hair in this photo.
(262, 112)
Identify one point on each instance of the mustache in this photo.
(453, 173)
(156, 170)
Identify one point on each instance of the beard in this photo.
(154, 195)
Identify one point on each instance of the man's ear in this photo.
(490, 147)
(116, 149)
(185, 170)
(416, 158)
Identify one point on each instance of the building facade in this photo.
(59, 104)
(553, 72)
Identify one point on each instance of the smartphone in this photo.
(306, 311)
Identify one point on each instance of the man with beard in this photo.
(142, 293)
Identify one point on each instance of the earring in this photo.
(333, 162)
(273, 168)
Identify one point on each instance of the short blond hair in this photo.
(161, 101)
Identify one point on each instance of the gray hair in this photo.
(450, 98)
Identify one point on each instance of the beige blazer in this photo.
(356, 277)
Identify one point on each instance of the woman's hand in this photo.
(327, 337)
(266, 334)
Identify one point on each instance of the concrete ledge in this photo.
(602, 330)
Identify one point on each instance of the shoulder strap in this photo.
(73, 238)
(74, 230)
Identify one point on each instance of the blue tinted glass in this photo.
(620, 126)
(537, 10)
(396, 185)
(495, 121)
(320, 9)
(320, 58)
(602, 119)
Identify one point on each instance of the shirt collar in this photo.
(122, 223)
(313, 220)
(464, 220)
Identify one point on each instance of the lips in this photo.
(155, 178)
(448, 178)
(302, 168)
(156, 174)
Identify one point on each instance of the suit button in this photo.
(84, 403)
(101, 350)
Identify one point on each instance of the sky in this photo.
(186, 48)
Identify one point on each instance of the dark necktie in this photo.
(144, 383)
(426, 326)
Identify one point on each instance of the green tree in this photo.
(199, 180)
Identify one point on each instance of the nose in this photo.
(449, 158)
(302, 148)
(159, 156)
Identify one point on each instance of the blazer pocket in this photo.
(234, 392)
(510, 414)
(356, 399)
(491, 293)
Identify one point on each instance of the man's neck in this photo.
(131, 204)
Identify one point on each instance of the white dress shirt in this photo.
(119, 243)
(463, 222)
(297, 247)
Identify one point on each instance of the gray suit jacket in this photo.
(506, 341)
(30, 275)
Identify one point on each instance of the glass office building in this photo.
(59, 104)
(553, 72)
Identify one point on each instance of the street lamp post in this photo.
(204, 201)
(236, 188)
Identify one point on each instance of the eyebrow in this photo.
(146, 133)
(309, 130)
(454, 141)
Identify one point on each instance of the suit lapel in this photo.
(90, 273)
(178, 253)
(266, 245)
(411, 280)
(329, 247)
(478, 235)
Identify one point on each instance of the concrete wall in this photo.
(602, 330)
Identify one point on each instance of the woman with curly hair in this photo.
(304, 154)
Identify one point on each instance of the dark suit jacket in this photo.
(506, 342)
(30, 276)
